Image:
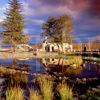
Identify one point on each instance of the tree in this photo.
(14, 24)
(58, 29)
(14, 18)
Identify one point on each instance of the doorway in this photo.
(47, 48)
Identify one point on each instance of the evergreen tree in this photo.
(14, 24)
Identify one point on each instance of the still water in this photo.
(59, 68)
(86, 69)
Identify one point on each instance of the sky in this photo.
(85, 14)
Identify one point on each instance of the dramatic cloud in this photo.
(90, 6)
(94, 7)
(43, 7)
(85, 13)
(75, 8)
(71, 4)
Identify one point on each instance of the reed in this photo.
(18, 78)
(14, 93)
(46, 85)
(14, 76)
(65, 91)
(34, 95)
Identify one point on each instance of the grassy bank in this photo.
(9, 55)
(44, 93)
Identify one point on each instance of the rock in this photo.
(95, 89)
(65, 78)
(34, 74)
(60, 78)
(2, 80)
(46, 69)
(84, 79)
(98, 87)
(83, 97)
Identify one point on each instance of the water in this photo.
(87, 69)
(33, 65)
(55, 67)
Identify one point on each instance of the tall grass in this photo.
(14, 93)
(34, 95)
(65, 91)
(76, 60)
(18, 78)
(14, 76)
(46, 93)
(46, 85)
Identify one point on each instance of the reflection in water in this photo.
(64, 66)
(73, 66)
(70, 66)
(21, 72)
(73, 61)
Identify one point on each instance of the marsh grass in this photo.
(65, 91)
(18, 78)
(46, 85)
(45, 92)
(34, 95)
(3, 70)
(14, 77)
(76, 60)
(14, 93)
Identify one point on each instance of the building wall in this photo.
(54, 47)
(93, 46)
(77, 46)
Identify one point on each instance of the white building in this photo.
(54, 47)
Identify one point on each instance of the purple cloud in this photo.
(45, 7)
(90, 6)
(85, 13)
(94, 7)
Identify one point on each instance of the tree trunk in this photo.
(62, 48)
(58, 48)
(13, 51)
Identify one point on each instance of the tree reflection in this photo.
(71, 65)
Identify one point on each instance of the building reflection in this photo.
(73, 66)
(64, 66)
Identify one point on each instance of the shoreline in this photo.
(26, 55)
(9, 55)
(39, 55)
